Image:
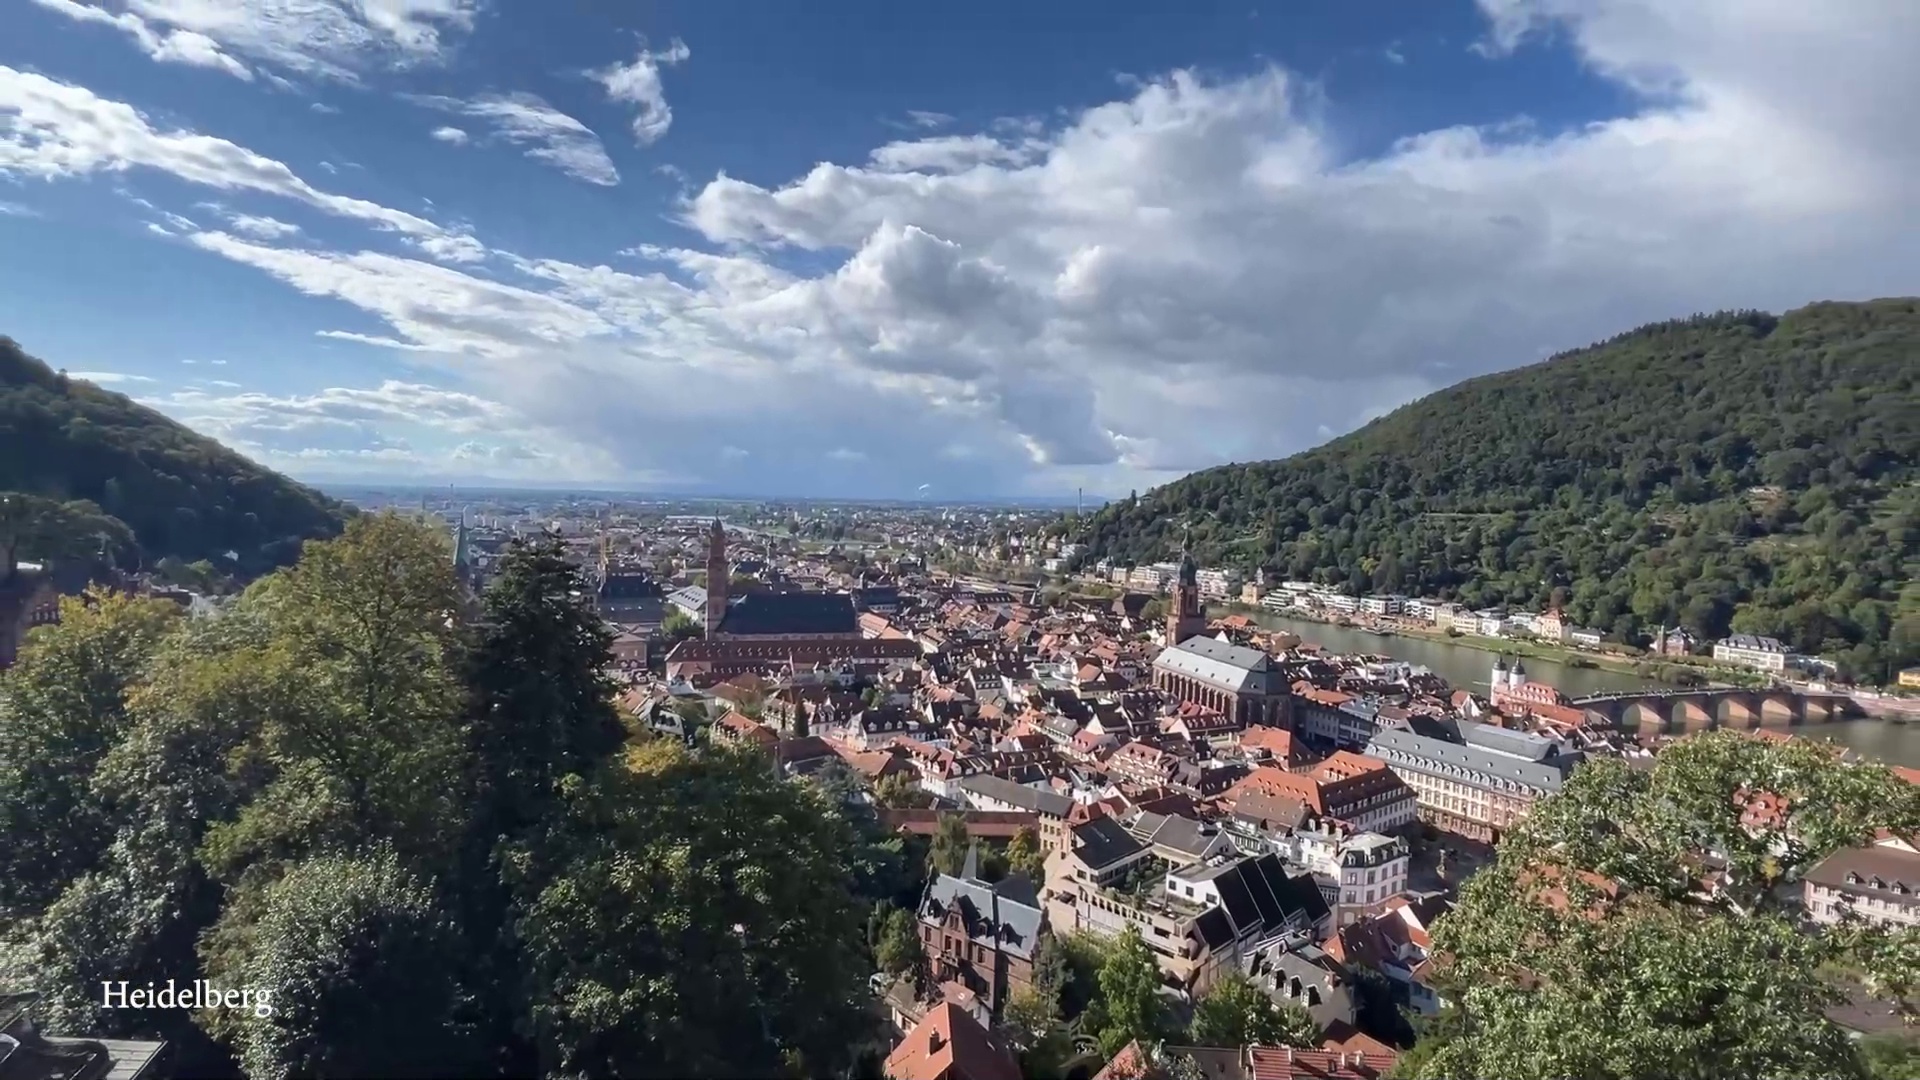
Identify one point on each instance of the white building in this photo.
(1217, 584)
(1754, 651)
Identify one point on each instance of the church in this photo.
(763, 628)
(1242, 684)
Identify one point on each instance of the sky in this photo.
(871, 248)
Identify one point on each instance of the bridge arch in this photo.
(1778, 710)
(1736, 710)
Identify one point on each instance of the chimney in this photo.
(935, 1041)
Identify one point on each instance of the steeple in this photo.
(1187, 617)
(971, 871)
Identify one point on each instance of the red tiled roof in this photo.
(947, 1044)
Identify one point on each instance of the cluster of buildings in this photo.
(1246, 802)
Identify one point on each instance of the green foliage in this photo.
(900, 951)
(423, 833)
(697, 923)
(61, 709)
(902, 791)
(1892, 1055)
(1132, 1009)
(181, 494)
(951, 842)
(1023, 856)
(1556, 972)
(359, 963)
(1235, 1012)
(35, 528)
(679, 626)
(1733, 472)
(541, 704)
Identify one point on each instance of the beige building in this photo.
(1879, 883)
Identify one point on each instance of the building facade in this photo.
(1236, 681)
(1479, 786)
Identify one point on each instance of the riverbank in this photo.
(1664, 669)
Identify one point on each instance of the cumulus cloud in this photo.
(547, 134)
(167, 46)
(333, 39)
(51, 129)
(638, 83)
(453, 136)
(1191, 274)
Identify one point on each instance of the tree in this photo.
(901, 791)
(1235, 1012)
(678, 626)
(1585, 949)
(541, 703)
(1025, 857)
(695, 921)
(1153, 610)
(360, 970)
(900, 951)
(62, 708)
(1129, 981)
(951, 842)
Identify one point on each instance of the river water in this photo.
(1469, 668)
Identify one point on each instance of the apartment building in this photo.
(1879, 883)
(1481, 781)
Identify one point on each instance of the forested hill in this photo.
(1726, 472)
(183, 495)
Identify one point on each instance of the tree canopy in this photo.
(420, 823)
(1727, 473)
(1593, 947)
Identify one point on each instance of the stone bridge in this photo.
(1674, 711)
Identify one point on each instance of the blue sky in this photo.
(853, 248)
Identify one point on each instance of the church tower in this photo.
(1187, 618)
(718, 575)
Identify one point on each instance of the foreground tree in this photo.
(1587, 949)
(697, 923)
(61, 709)
(1025, 857)
(900, 951)
(360, 963)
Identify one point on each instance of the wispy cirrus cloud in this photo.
(330, 39)
(164, 45)
(51, 129)
(543, 132)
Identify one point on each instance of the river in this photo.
(1469, 668)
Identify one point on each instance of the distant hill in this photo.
(1731, 472)
(183, 495)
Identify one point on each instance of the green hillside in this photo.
(182, 495)
(1733, 472)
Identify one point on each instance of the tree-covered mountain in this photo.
(1732, 472)
(183, 495)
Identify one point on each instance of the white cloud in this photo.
(51, 129)
(407, 424)
(452, 136)
(106, 378)
(333, 39)
(925, 119)
(13, 209)
(262, 227)
(1192, 274)
(175, 46)
(638, 83)
(548, 134)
